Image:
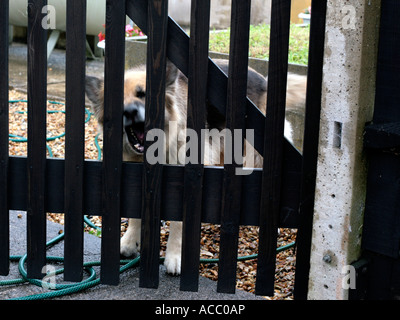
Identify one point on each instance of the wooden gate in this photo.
(279, 195)
(379, 266)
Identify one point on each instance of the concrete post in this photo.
(347, 104)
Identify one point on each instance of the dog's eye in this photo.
(140, 93)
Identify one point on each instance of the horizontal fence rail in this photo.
(131, 192)
(269, 197)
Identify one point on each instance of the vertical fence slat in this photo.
(235, 120)
(273, 146)
(310, 146)
(37, 90)
(74, 138)
(152, 174)
(4, 214)
(193, 183)
(112, 140)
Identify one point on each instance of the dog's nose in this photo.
(133, 113)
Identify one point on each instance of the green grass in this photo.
(259, 42)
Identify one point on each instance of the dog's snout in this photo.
(133, 113)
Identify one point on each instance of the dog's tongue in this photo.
(140, 136)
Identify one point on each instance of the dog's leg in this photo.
(174, 247)
(130, 242)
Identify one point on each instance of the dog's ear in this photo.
(94, 89)
(171, 74)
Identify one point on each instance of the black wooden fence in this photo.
(378, 269)
(279, 195)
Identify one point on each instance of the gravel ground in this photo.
(248, 241)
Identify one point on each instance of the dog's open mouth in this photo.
(135, 133)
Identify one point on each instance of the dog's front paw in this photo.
(130, 247)
(173, 264)
(130, 242)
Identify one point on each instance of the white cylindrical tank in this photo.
(96, 11)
